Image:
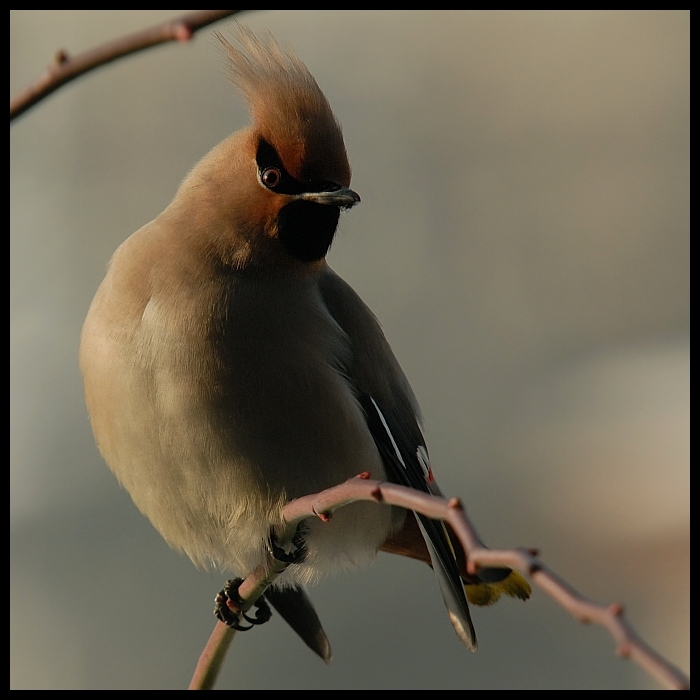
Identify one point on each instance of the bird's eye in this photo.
(270, 177)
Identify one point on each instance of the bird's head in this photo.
(282, 182)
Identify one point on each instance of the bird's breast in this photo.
(257, 366)
(280, 392)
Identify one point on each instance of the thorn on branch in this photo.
(62, 56)
(616, 609)
(455, 504)
(182, 32)
(323, 516)
(624, 650)
(377, 494)
(364, 475)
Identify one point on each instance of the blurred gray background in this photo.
(523, 237)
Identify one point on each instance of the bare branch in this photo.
(362, 488)
(212, 657)
(64, 68)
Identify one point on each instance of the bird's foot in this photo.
(291, 552)
(228, 607)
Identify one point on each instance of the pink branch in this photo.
(362, 488)
(212, 657)
(64, 68)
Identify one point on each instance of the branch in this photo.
(64, 68)
(362, 488)
(212, 658)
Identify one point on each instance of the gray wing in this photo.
(392, 416)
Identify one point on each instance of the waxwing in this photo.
(228, 369)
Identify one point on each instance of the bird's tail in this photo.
(484, 588)
(447, 574)
(401, 446)
(295, 607)
(488, 586)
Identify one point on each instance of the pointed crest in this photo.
(288, 108)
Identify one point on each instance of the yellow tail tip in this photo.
(487, 592)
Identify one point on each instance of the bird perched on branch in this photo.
(228, 369)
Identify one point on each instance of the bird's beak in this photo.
(343, 197)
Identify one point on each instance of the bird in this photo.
(228, 369)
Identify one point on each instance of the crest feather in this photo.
(288, 108)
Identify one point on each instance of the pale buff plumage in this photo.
(214, 372)
(228, 369)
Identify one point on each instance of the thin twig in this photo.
(65, 68)
(321, 505)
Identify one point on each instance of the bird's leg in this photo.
(284, 550)
(228, 607)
